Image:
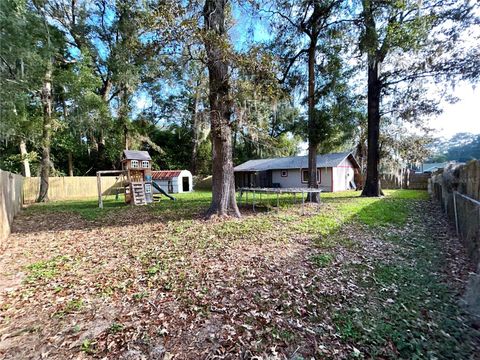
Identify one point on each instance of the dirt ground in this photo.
(143, 283)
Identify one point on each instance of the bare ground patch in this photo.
(271, 286)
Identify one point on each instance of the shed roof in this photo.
(295, 162)
(165, 174)
(136, 155)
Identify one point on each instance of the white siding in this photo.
(185, 173)
(326, 179)
(176, 183)
(291, 181)
(294, 180)
(343, 175)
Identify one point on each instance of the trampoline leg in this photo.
(277, 201)
(253, 201)
(303, 203)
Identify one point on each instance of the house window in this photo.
(305, 176)
(145, 164)
(284, 173)
(134, 164)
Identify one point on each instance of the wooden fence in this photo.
(457, 188)
(405, 180)
(66, 188)
(11, 186)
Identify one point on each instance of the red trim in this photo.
(331, 178)
(165, 174)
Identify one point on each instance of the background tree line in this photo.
(206, 84)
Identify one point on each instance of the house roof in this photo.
(165, 174)
(136, 155)
(430, 167)
(294, 162)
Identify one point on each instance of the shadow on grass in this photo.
(347, 206)
(339, 209)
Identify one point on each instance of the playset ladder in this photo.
(138, 192)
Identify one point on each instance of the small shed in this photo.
(173, 181)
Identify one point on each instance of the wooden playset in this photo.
(138, 187)
(134, 180)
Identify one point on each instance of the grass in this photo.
(87, 208)
(45, 269)
(414, 314)
(407, 313)
(322, 260)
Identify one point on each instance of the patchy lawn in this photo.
(362, 278)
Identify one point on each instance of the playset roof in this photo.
(136, 155)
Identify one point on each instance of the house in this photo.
(173, 181)
(431, 167)
(335, 172)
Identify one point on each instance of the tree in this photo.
(221, 108)
(405, 41)
(317, 21)
(21, 63)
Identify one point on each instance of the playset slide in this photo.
(161, 191)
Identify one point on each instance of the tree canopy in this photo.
(83, 80)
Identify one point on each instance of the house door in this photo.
(186, 184)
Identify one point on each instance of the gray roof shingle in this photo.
(136, 155)
(292, 162)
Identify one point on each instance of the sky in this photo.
(463, 116)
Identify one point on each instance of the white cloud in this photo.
(463, 116)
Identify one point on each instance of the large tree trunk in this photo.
(46, 135)
(25, 161)
(313, 137)
(223, 181)
(372, 182)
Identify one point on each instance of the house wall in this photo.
(253, 179)
(343, 175)
(294, 179)
(291, 181)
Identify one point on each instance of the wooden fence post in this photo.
(99, 187)
(455, 211)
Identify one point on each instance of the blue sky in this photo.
(459, 117)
